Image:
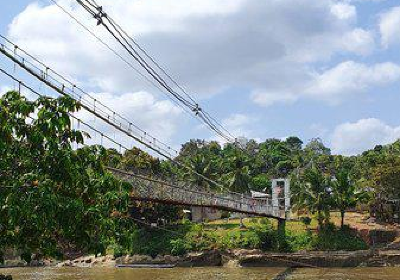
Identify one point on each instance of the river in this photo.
(200, 274)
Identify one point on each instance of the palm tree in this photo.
(238, 176)
(312, 193)
(204, 167)
(345, 194)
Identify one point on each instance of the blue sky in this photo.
(309, 68)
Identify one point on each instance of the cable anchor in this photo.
(100, 15)
(197, 109)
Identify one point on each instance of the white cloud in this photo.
(5, 88)
(14, 86)
(354, 138)
(270, 98)
(335, 84)
(351, 77)
(159, 118)
(209, 47)
(344, 11)
(389, 26)
(239, 125)
(153, 16)
(363, 1)
(359, 41)
(236, 121)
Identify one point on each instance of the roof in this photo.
(255, 194)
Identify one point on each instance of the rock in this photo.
(203, 259)
(242, 252)
(310, 259)
(36, 263)
(65, 264)
(232, 264)
(15, 263)
(249, 258)
(48, 263)
(171, 259)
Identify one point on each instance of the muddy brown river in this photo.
(200, 274)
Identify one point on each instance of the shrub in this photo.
(268, 237)
(330, 238)
(179, 247)
(300, 241)
(306, 221)
(26, 256)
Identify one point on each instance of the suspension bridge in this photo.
(181, 193)
(144, 187)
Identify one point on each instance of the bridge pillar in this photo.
(281, 197)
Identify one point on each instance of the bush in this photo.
(261, 235)
(268, 237)
(26, 256)
(306, 221)
(298, 242)
(330, 238)
(179, 247)
(118, 251)
(225, 215)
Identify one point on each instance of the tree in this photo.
(238, 173)
(138, 161)
(203, 166)
(345, 194)
(312, 192)
(294, 143)
(276, 156)
(316, 147)
(54, 198)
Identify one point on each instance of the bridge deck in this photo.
(145, 188)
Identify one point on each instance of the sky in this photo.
(264, 69)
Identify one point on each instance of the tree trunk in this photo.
(342, 218)
(320, 219)
(241, 221)
(282, 226)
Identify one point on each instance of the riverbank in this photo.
(222, 243)
(238, 258)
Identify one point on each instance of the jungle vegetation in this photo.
(57, 200)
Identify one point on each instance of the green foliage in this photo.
(344, 193)
(53, 198)
(306, 221)
(312, 193)
(261, 183)
(330, 239)
(179, 247)
(268, 237)
(26, 256)
(299, 241)
(237, 173)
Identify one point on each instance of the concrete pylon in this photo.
(276, 191)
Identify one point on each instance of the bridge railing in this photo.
(179, 193)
